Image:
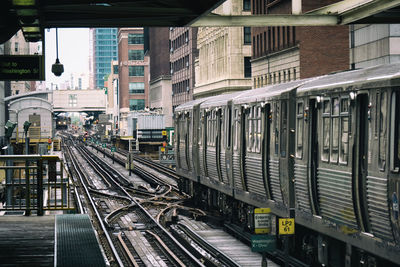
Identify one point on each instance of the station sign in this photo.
(113, 149)
(262, 220)
(263, 243)
(103, 145)
(286, 226)
(22, 68)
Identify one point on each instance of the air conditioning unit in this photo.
(171, 50)
(186, 39)
(187, 64)
(187, 88)
(172, 71)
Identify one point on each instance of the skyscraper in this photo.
(104, 49)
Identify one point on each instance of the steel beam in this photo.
(264, 20)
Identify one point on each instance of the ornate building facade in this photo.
(223, 64)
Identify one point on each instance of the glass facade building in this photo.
(105, 50)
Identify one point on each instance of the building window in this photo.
(135, 38)
(136, 88)
(136, 70)
(135, 54)
(115, 69)
(247, 67)
(246, 5)
(72, 100)
(136, 104)
(247, 35)
(16, 46)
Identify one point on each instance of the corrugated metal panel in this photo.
(151, 121)
(275, 181)
(378, 207)
(301, 187)
(212, 163)
(255, 183)
(236, 171)
(336, 197)
(223, 168)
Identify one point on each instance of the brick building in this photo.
(133, 72)
(160, 96)
(183, 51)
(285, 53)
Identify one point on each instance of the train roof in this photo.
(190, 104)
(221, 100)
(268, 92)
(381, 75)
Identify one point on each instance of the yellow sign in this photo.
(262, 220)
(163, 149)
(164, 132)
(286, 226)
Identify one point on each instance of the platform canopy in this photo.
(33, 16)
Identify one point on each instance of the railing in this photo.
(35, 182)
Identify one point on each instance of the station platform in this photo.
(51, 240)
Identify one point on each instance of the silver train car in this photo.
(324, 150)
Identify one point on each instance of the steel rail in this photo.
(104, 229)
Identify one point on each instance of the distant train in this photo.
(324, 150)
(62, 122)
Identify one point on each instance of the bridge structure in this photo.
(34, 16)
(89, 101)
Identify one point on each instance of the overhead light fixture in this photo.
(30, 29)
(57, 67)
(24, 2)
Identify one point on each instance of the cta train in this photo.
(324, 150)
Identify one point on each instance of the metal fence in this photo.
(35, 182)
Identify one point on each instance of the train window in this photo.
(344, 105)
(283, 128)
(344, 128)
(327, 107)
(382, 131)
(276, 128)
(376, 114)
(249, 129)
(299, 132)
(326, 130)
(229, 127)
(395, 133)
(258, 133)
(236, 130)
(335, 130)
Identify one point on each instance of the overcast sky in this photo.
(73, 52)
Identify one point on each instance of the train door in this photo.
(360, 162)
(394, 154)
(266, 126)
(228, 149)
(177, 141)
(202, 142)
(274, 163)
(243, 146)
(236, 148)
(188, 140)
(34, 130)
(196, 139)
(218, 144)
(222, 143)
(313, 149)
